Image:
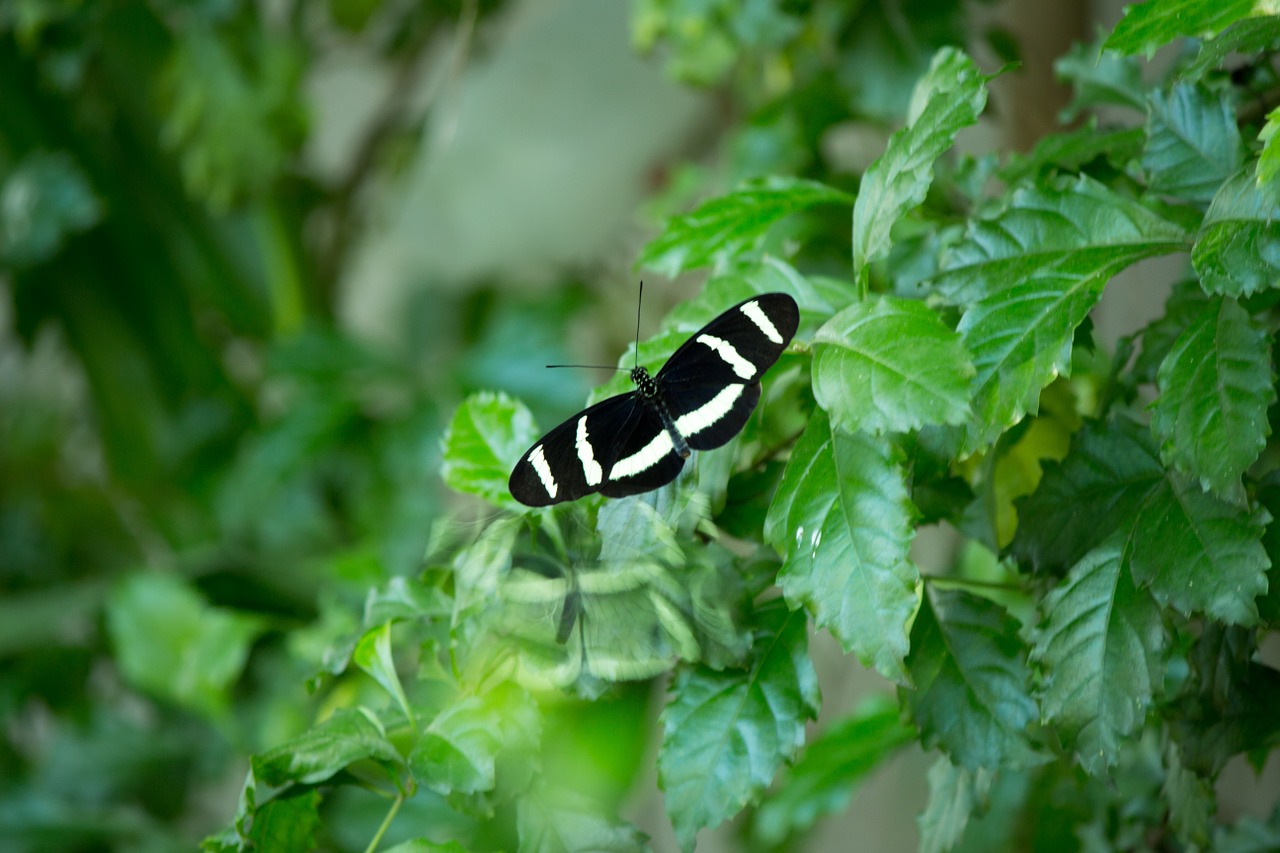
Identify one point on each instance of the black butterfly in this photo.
(638, 441)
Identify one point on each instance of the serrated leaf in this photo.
(1155, 23)
(1215, 386)
(568, 823)
(1237, 251)
(949, 97)
(725, 734)
(1099, 78)
(842, 518)
(1248, 35)
(170, 642)
(1029, 277)
(890, 365)
(823, 779)
(955, 795)
(350, 735)
(1071, 150)
(971, 696)
(1185, 303)
(730, 225)
(1109, 470)
(1269, 159)
(1199, 554)
(1101, 648)
(459, 749)
(484, 440)
(1193, 144)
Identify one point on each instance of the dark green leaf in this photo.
(1109, 471)
(1191, 799)
(1269, 159)
(1249, 835)
(1185, 303)
(459, 749)
(170, 642)
(843, 519)
(1199, 554)
(1071, 150)
(1100, 78)
(287, 824)
(1238, 249)
(971, 697)
(1029, 277)
(484, 441)
(955, 795)
(948, 98)
(725, 227)
(1155, 23)
(1101, 647)
(1193, 144)
(890, 365)
(830, 768)
(1215, 389)
(566, 823)
(348, 736)
(725, 734)
(43, 201)
(1245, 36)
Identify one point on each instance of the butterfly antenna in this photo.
(639, 301)
(589, 366)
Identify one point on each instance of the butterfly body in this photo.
(638, 441)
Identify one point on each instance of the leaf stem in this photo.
(1009, 585)
(386, 822)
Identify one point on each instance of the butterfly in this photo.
(638, 441)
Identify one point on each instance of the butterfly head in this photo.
(645, 385)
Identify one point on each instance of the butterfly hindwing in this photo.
(646, 459)
(573, 459)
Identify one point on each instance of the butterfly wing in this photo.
(617, 447)
(712, 383)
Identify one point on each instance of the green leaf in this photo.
(955, 794)
(843, 520)
(1155, 23)
(890, 365)
(949, 97)
(1192, 802)
(423, 845)
(1101, 648)
(830, 768)
(1185, 303)
(1100, 78)
(1249, 835)
(1100, 486)
(563, 822)
(485, 439)
(373, 655)
(168, 641)
(1269, 159)
(287, 824)
(350, 735)
(1199, 554)
(1072, 150)
(459, 749)
(1245, 36)
(1216, 385)
(44, 201)
(971, 696)
(1029, 276)
(1237, 251)
(1193, 144)
(730, 225)
(725, 734)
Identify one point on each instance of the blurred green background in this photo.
(251, 257)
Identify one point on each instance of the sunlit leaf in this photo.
(726, 734)
(348, 736)
(948, 98)
(562, 822)
(1155, 23)
(1269, 159)
(843, 520)
(972, 689)
(459, 749)
(1100, 646)
(485, 439)
(373, 655)
(1193, 144)
(1215, 389)
(890, 365)
(730, 225)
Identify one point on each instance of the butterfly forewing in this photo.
(707, 389)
